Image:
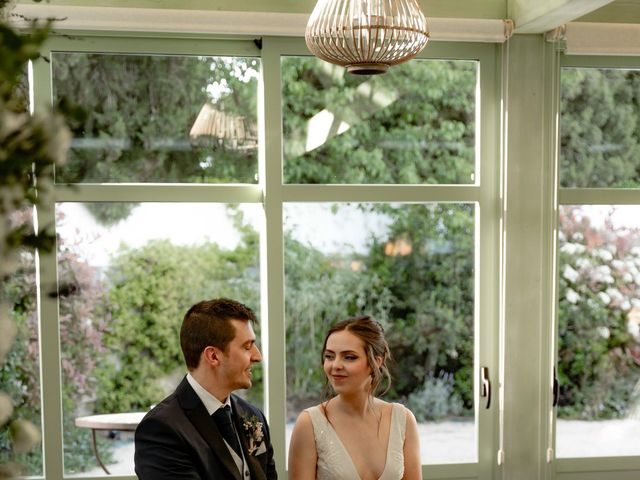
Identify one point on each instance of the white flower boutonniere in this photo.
(253, 429)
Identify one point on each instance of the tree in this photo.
(599, 129)
(422, 294)
(139, 125)
(402, 127)
(148, 290)
(415, 124)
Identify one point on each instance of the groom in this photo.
(202, 431)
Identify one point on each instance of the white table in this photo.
(126, 422)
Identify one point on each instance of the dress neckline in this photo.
(346, 452)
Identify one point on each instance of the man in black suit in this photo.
(190, 434)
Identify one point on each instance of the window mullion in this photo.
(50, 376)
(272, 248)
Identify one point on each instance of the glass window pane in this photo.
(600, 128)
(599, 331)
(414, 124)
(20, 369)
(409, 267)
(124, 289)
(163, 119)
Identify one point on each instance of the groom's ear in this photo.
(211, 355)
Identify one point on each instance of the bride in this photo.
(355, 435)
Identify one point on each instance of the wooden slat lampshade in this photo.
(366, 36)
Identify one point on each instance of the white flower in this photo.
(615, 295)
(626, 305)
(603, 254)
(633, 327)
(604, 298)
(633, 322)
(602, 274)
(572, 296)
(627, 277)
(583, 263)
(255, 434)
(570, 274)
(603, 332)
(6, 408)
(24, 436)
(573, 248)
(577, 237)
(618, 264)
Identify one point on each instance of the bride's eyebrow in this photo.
(344, 352)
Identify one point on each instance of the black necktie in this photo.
(222, 417)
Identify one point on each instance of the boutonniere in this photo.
(253, 429)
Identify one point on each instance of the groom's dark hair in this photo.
(208, 323)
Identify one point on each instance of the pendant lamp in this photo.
(366, 36)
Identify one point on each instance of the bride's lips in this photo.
(338, 378)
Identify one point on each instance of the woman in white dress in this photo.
(355, 435)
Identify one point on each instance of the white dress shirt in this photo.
(212, 404)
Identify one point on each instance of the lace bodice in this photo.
(334, 462)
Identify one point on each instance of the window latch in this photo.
(485, 388)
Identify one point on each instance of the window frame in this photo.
(590, 468)
(272, 193)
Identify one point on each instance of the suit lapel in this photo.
(199, 417)
(257, 473)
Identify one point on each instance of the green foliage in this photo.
(432, 313)
(435, 400)
(138, 129)
(29, 144)
(149, 289)
(415, 124)
(82, 324)
(80, 338)
(600, 131)
(320, 290)
(19, 375)
(403, 127)
(30, 147)
(423, 298)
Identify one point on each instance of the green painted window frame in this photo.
(272, 194)
(594, 468)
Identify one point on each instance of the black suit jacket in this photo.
(178, 440)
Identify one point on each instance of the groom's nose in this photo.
(256, 356)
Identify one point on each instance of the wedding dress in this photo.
(334, 462)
